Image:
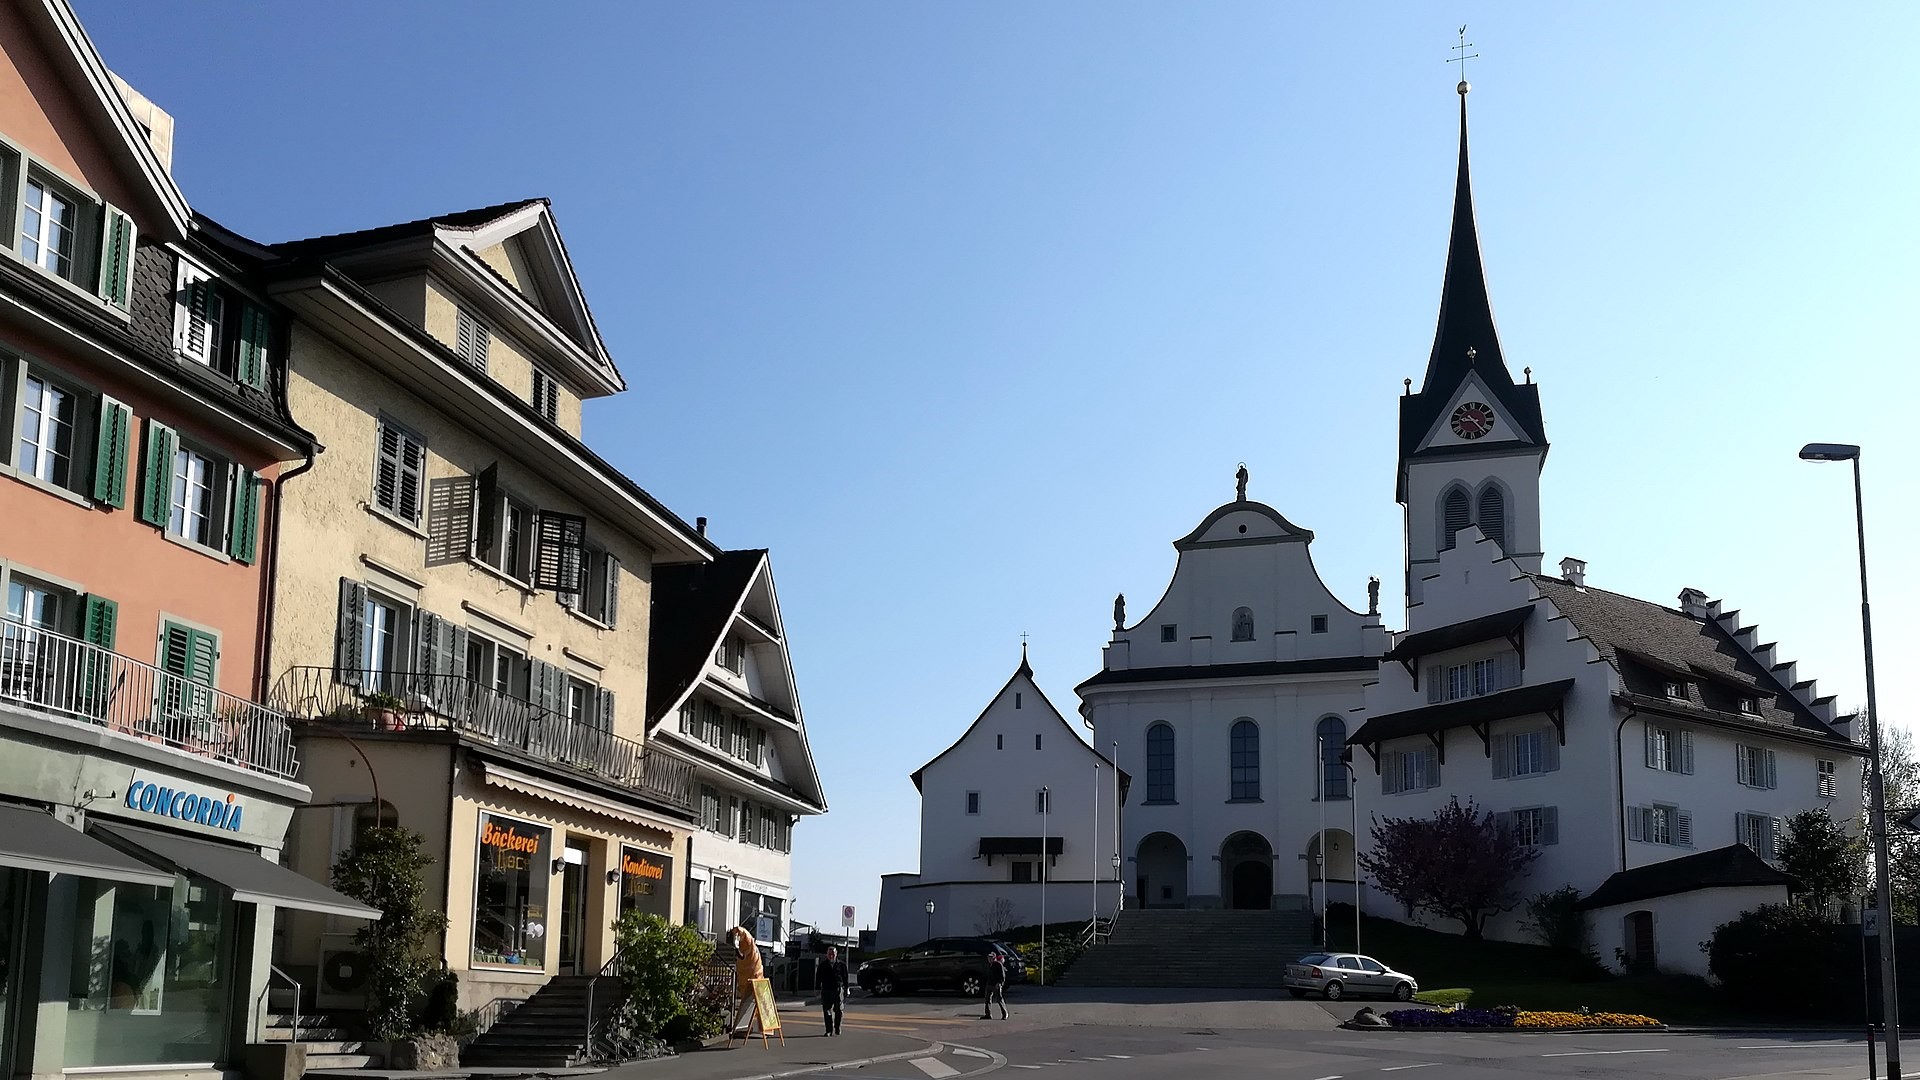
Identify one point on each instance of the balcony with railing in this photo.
(401, 701)
(77, 680)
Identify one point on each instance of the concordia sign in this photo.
(181, 804)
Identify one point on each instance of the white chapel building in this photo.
(1017, 826)
(1230, 702)
(1651, 752)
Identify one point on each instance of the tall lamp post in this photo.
(1883, 885)
(1046, 805)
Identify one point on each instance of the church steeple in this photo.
(1471, 439)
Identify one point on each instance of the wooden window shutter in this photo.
(1653, 745)
(759, 746)
(156, 486)
(611, 614)
(1772, 775)
(1551, 740)
(472, 340)
(539, 675)
(349, 638)
(486, 508)
(196, 293)
(427, 643)
(243, 537)
(99, 621)
(1740, 764)
(255, 328)
(1436, 684)
(606, 709)
(1502, 756)
(457, 638)
(111, 448)
(559, 551)
(1636, 823)
(1549, 825)
(1686, 752)
(1682, 828)
(117, 237)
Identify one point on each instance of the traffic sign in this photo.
(846, 916)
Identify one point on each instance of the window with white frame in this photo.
(1417, 769)
(1755, 767)
(48, 420)
(1486, 675)
(581, 703)
(731, 655)
(599, 595)
(1829, 779)
(386, 642)
(711, 815)
(49, 227)
(1760, 833)
(400, 468)
(504, 533)
(1660, 824)
(1535, 826)
(1525, 753)
(199, 497)
(1669, 749)
(498, 667)
(41, 605)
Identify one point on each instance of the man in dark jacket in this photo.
(831, 977)
(995, 988)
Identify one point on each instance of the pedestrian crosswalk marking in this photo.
(935, 1068)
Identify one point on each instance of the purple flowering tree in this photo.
(1458, 864)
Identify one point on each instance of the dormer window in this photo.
(1750, 706)
(1677, 689)
(546, 396)
(214, 327)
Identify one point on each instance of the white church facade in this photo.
(1018, 826)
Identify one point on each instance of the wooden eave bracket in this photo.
(1439, 741)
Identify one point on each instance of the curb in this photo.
(934, 1048)
(1659, 1029)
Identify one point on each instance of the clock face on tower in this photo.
(1472, 420)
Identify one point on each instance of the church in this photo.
(1650, 752)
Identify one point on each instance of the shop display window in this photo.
(150, 976)
(510, 892)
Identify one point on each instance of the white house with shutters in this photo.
(1649, 752)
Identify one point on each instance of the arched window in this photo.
(1457, 515)
(1245, 763)
(1160, 763)
(367, 816)
(1332, 734)
(1493, 516)
(1243, 624)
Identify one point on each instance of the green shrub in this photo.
(385, 869)
(1784, 960)
(660, 966)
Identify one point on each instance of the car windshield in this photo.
(1316, 958)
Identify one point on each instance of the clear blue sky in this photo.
(967, 311)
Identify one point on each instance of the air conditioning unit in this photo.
(343, 974)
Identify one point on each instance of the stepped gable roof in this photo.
(1656, 640)
(1731, 867)
(692, 605)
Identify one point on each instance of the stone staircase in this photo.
(1217, 949)
(548, 1030)
(332, 1040)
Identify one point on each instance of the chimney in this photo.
(700, 525)
(1694, 603)
(155, 122)
(1574, 571)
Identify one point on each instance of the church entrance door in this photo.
(1246, 871)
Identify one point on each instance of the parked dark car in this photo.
(949, 963)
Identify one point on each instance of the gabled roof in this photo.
(1629, 633)
(1474, 712)
(1024, 671)
(81, 67)
(1731, 867)
(558, 298)
(693, 606)
(1465, 342)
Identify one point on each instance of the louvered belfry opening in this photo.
(1493, 516)
(1457, 515)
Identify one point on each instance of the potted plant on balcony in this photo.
(384, 710)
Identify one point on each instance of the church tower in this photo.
(1471, 441)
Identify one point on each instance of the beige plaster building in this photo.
(462, 604)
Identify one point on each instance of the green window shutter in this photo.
(612, 604)
(116, 258)
(349, 640)
(187, 656)
(243, 538)
(606, 710)
(99, 621)
(156, 485)
(255, 327)
(110, 453)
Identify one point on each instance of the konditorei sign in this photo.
(646, 882)
(180, 802)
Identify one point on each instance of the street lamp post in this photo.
(1883, 884)
(929, 919)
(1353, 810)
(1046, 805)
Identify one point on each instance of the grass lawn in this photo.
(1488, 973)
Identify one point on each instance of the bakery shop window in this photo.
(510, 892)
(646, 882)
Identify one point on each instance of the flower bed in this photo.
(1509, 1018)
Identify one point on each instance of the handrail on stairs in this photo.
(1094, 934)
(273, 970)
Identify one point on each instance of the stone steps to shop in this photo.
(549, 1029)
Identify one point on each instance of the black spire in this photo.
(1465, 338)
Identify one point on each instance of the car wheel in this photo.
(883, 986)
(1333, 991)
(970, 985)
(1296, 992)
(1403, 992)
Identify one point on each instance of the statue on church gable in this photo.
(1243, 624)
(1373, 596)
(1120, 612)
(1240, 484)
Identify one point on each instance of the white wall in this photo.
(1680, 924)
(965, 909)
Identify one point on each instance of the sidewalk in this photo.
(807, 1049)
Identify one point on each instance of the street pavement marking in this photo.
(964, 1052)
(1422, 1065)
(1335, 1077)
(1028, 1066)
(1599, 1053)
(1119, 1057)
(935, 1068)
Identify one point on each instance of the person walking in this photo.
(831, 976)
(994, 987)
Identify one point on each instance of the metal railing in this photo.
(266, 997)
(82, 681)
(415, 701)
(486, 1016)
(1099, 929)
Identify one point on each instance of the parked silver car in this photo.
(1337, 975)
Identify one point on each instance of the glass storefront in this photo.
(13, 911)
(510, 892)
(145, 985)
(646, 882)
